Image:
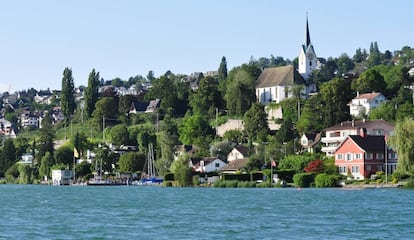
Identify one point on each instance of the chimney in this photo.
(363, 132)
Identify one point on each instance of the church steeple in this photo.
(307, 56)
(307, 37)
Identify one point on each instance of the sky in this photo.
(126, 38)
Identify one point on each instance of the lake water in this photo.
(141, 212)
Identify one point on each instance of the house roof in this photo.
(139, 106)
(153, 104)
(242, 149)
(279, 76)
(207, 161)
(235, 165)
(357, 125)
(314, 137)
(368, 96)
(369, 143)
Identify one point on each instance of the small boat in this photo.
(151, 176)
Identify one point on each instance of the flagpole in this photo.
(386, 161)
(271, 173)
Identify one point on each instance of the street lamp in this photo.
(284, 143)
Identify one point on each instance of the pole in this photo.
(386, 161)
(216, 120)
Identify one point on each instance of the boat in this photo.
(151, 177)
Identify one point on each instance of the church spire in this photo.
(307, 38)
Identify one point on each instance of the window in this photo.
(357, 155)
(355, 169)
(380, 155)
(342, 169)
(349, 157)
(368, 167)
(339, 156)
(217, 165)
(368, 156)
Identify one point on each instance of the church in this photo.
(276, 84)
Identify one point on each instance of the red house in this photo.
(363, 155)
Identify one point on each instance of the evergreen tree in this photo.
(67, 96)
(91, 92)
(8, 156)
(222, 71)
(255, 123)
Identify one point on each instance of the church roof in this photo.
(279, 76)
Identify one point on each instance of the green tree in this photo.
(222, 71)
(374, 57)
(344, 64)
(207, 97)
(165, 89)
(67, 96)
(45, 165)
(240, 90)
(105, 108)
(8, 155)
(83, 170)
(182, 171)
(369, 81)
(311, 118)
(403, 141)
(91, 92)
(80, 143)
(195, 130)
(64, 155)
(45, 142)
(255, 123)
(120, 135)
(385, 111)
(131, 162)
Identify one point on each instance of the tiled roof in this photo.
(279, 76)
(243, 150)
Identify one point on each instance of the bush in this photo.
(169, 176)
(326, 180)
(409, 184)
(303, 179)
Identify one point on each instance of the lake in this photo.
(144, 212)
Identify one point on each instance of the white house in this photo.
(362, 104)
(27, 158)
(207, 164)
(309, 141)
(335, 135)
(238, 152)
(61, 177)
(6, 128)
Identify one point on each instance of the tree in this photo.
(182, 171)
(403, 142)
(222, 71)
(64, 155)
(83, 170)
(195, 130)
(8, 155)
(369, 81)
(131, 162)
(311, 118)
(255, 123)
(120, 135)
(315, 166)
(374, 57)
(207, 97)
(106, 107)
(240, 91)
(385, 111)
(91, 92)
(67, 96)
(45, 165)
(46, 137)
(344, 64)
(165, 89)
(80, 144)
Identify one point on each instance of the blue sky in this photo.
(125, 38)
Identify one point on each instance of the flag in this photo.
(273, 163)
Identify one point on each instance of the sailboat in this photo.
(151, 178)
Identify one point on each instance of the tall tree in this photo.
(206, 98)
(46, 137)
(8, 156)
(222, 71)
(240, 91)
(255, 123)
(369, 81)
(91, 92)
(67, 96)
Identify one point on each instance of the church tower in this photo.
(307, 60)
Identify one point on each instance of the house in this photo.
(28, 119)
(207, 164)
(238, 152)
(61, 177)
(153, 105)
(360, 156)
(309, 141)
(6, 128)
(27, 158)
(234, 166)
(275, 84)
(362, 104)
(184, 149)
(138, 107)
(335, 135)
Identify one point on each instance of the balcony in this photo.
(332, 139)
